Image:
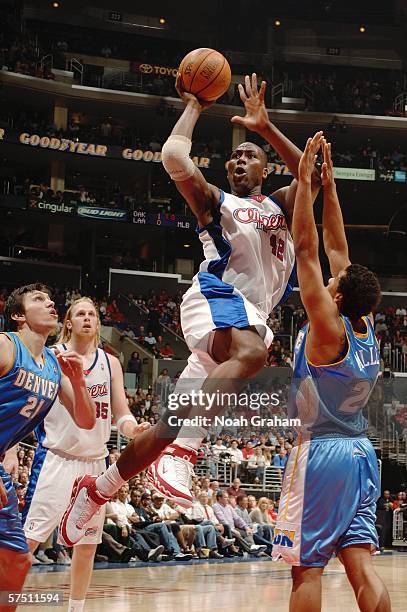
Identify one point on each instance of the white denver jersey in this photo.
(249, 247)
(60, 433)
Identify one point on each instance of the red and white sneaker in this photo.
(171, 474)
(85, 502)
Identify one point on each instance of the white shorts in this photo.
(211, 304)
(51, 494)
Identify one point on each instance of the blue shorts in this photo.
(11, 530)
(328, 500)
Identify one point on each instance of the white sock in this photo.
(191, 437)
(76, 605)
(108, 483)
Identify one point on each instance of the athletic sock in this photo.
(76, 605)
(108, 483)
(191, 437)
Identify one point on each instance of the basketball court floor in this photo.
(262, 585)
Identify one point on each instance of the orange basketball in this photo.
(205, 73)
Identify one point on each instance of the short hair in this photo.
(15, 302)
(240, 497)
(360, 289)
(220, 492)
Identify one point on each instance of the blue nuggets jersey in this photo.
(329, 399)
(27, 393)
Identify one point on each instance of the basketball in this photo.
(205, 73)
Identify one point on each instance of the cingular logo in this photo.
(55, 208)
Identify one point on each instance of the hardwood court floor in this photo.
(207, 586)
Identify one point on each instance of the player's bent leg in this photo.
(306, 594)
(81, 572)
(236, 356)
(14, 567)
(370, 591)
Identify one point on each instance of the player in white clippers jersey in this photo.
(65, 451)
(249, 259)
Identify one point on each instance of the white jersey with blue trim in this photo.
(59, 432)
(248, 246)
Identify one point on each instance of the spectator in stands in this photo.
(281, 459)
(236, 455)
(400, 501)
(150, 339)
(255, 465)
(170, 516)
(384, 518)
(135, 365)
(128, 333)
(262, 534)
(226, 515)
(261, 517)
(252, 502)
(235, 489)
(152, 523)
(167, 351)
(114, 311)
(247, 450)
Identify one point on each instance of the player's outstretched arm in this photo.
(6, 354)
(73, 392)
(257, 120)
(125, 421)
(201, 196)
(326, 330)
(335, 243)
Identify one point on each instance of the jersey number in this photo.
(102, 409)
(277, 247)
(358, 398)
(32, 407)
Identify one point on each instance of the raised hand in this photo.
(71, 365)
(308, 158)
(256, 118)
(327, 174)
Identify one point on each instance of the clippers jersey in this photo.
(329, 399)
(59, 431)
(27, 393)
(248, 247)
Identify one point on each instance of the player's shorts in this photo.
(11, 530)
(212, 304)
(49, 494)
(328, 500)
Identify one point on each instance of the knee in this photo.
(253, 357)
(22, 564)
(305, 574)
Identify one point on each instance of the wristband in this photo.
(123, 419)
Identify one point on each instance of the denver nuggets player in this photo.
(331, 481)
(30, 380)
(65, 451)
(248, 269)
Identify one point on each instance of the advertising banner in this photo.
(108, 214)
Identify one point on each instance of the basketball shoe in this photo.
(85, 502)
(171, 474)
